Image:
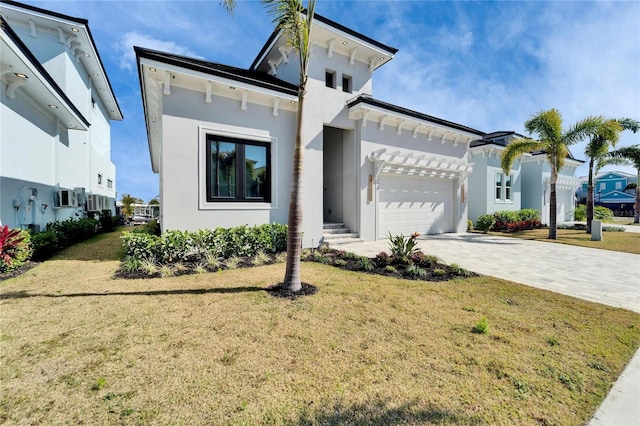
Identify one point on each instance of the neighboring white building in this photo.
(526, 187)
(57, 104)
(376, 167)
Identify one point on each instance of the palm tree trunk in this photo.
(590, 197)
(553, 229)
(292, 281)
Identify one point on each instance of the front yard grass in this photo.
(77, 346)
(628, 242)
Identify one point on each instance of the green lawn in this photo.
(628, 242)
(77, 346)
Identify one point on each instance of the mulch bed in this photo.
(280, 292)
(19, 271)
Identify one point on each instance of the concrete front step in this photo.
(338, 242)
(344, 230)
(340, 236)
(332, 225)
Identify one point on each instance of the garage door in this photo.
(408, 204)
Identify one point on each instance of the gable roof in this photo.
(324, 25)
(85, 44)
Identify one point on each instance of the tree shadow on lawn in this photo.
(379, 413)
(26, 295)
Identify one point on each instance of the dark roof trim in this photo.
(255, 78)
(80, 21)
(415, 114)
(46, 12)
(568, 157)
(327, 21)
(391, 50)
(34, 61)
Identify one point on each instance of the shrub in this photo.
(529, 214)
(14, 248)
(152, 227)
(61, 234)
(401, 247)
(382, 259)
(107, 221)
(599, 213)
(485, 222)
(184, 246)
(469, 225)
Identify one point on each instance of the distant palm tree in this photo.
(127, 204)
(554, 142)
(629, 155)
(603, 137)
(295, 22)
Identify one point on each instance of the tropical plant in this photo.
(602, 137)
(628, 155)
(14, 248)
(401, 247)
(554, 142)
(485, 223)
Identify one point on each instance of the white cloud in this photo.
(124, 47)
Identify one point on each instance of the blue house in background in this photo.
(610, 190)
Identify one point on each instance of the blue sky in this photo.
(487, 65)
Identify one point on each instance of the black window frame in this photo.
(347, 83)
(240, 178)
(330, 78)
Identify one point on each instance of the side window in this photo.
(347, 83)
(330, 79)
(99, 178)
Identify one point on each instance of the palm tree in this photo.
(629, 155)
(603, 137)
(127, 204)
(295, 22)
(555, 144)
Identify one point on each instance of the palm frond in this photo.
(546, 124)
(517, 148)
(629, 124)
(229, 5)
(584, 128)
(629, 153)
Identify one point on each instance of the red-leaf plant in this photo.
(10, 242)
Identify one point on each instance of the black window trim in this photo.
(240, 177)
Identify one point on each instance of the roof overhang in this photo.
(75, 34)
(21, 71)
(422, 165)
(331, 36)
(158, 75)
(381, 114)
(567, 183)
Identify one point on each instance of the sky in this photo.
(486, 65)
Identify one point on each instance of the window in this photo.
(346, 83)
(603, 186)
(109, 183)
(503, 187)
(618, 185)
(499, 182)
(507, 188)
(238, 170)
(330, 79)
(99, 178)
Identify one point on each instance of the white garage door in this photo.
(408, 204)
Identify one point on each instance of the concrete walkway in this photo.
(602, 276)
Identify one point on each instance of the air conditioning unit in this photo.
(80, 196)
(67, 198)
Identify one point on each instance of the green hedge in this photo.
(599, 212)
(185, 246)
(509, 221)
(61, 234)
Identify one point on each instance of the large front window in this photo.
(238, 170)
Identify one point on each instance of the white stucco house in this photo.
(56, 108)
(526, 187)
(221, 139)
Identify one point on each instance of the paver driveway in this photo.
(602, 276)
